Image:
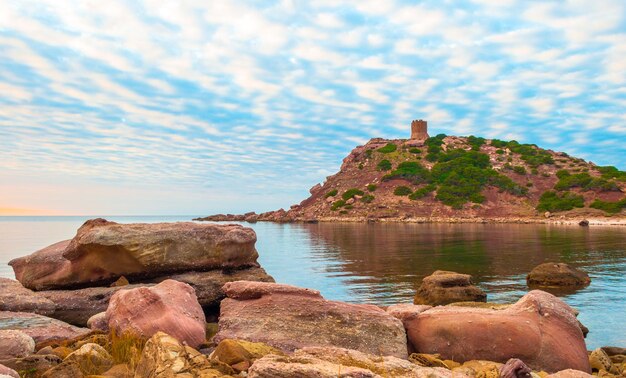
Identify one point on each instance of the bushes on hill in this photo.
(609, 207)
(402, 191)
(552, 201)
(331, 193)
(371, 187)
(337, 204)
(384, 165)
(367, 198)
(422, 192)
(610, 172)
(415, 150)
(410, 170)
(584, 181)
(351, 193)
(389, 148)
(475, 142)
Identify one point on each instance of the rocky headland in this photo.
(231, 320)
(459, 179)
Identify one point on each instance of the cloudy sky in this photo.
(195, 107)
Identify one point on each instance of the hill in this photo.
(449, 178)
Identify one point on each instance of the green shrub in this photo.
(475, 142)
(372, 187)
(500, 151)
(562, 173)
(343, 212)
(432, 157)
(361, 166)
(529, 184)
(534, 171)
(350, 193)
(422, 192)
(337, 204)
(433, 145)
(410, 170)
(497, 143)
(402, 191)
(609, 207)
(368, 153)
(519, 170)
(552, 201)
(384, 165)
(348, 207)
(531, 154)
(389, 148)
(332, 193)
(367, 198)
(585, 181)
(610, 172)
(415, 150)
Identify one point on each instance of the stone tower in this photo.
(419, 129)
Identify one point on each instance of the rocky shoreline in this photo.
(232, 320)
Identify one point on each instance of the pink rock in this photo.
(39, 327)
(289, 318)
(8, 372)
(15, 344)
(15, 297)
(98, 322)
(539, 329)
(170, 307)
(570, 373)
(103, 251)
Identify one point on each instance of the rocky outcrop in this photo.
(77, 306)
(164, 356)
(15, 297)
(102, 251)
(557, 275)
(539, 329)
(15, 344)
(289, 318)
(442, 287)
(332, 362)
(8, 372)
(170, 307)
(40, 328)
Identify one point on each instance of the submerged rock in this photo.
(102, 251)
(442, 287)
(170, 307)
(557, 275)
(289, 318)
(540, 329)
(331, 362)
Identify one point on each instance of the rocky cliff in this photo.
(448, 178)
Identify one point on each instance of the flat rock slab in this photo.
(102, 251)
(39, 327)
(289, 318)
(15, 297)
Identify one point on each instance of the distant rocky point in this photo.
(458, 179)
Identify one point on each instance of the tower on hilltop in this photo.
(419, 129)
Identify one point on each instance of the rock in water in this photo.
(442, 287)
(539, 329)
(170, 307)
(15, 297)
(15, 344)
(557, 275)
(102, 251)
(289, 318)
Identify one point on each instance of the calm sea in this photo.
(384, 263)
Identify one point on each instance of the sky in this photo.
(199, 107)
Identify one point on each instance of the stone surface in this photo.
(98, 322)
(599, 360)
(164, 356)
(419, 129)
(443, 287)
(77, 306)
(479, 368)
(15, 297)
(289, 318)
(515, 368)
(92, 359)
(539, 329)
(15, 344)
(8, 372)
(102, 251)
(38, 363)
(557, 275)
(570, 373)
(240, 354)
(329, 362)
(39, 327)
(170, 307)
(66, 369)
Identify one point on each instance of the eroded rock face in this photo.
(39, 327)
(170, 307)
(15, 344)
(289, 318)
(330, 362)
(102, 251)
(557, 275)
(77, 306)
(442, 287)
(15, 297)
(539, 329)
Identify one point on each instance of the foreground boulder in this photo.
(331, 362)
(15, 344)
(8, 372)
(289, 318)
(442, 287)
(240, 354)
(539, 329)
(102, 251)
(170, 307)
(40, 328)
(15, 297)
(77, 306)
(557, 275)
